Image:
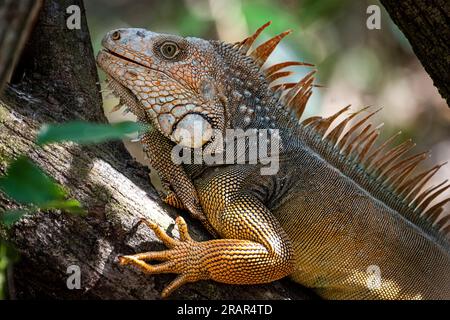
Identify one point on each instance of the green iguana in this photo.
(340, 215)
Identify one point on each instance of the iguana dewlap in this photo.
(340, 215)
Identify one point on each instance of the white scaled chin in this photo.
(192, 131)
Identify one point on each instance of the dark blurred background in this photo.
(358, 66)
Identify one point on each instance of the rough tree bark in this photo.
(426, 24)
(16, 20)
(55, 81)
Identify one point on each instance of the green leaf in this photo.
(9, 217)
(26, 183)
(85, 132)
(72, 206)
(8, 255)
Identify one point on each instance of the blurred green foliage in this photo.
(29, 186)
(7, 256)
(9, 217)
(84, 132)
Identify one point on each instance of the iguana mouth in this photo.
(127, 98)
(115, 54)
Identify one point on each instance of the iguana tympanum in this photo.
(340, 215)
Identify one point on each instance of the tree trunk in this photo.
(16, 20)
(55, 81)
(426, 24)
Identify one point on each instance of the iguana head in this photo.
(192, 88)
(173, 79)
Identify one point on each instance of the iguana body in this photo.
(337, 208)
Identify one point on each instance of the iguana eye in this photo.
(115, 35)
(169, 50)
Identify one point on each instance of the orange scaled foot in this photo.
(178, 259)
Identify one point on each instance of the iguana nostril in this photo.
(193, 131)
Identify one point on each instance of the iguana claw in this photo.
(175, 260)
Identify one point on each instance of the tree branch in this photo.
(426, 24)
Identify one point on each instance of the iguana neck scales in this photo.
(343, 215)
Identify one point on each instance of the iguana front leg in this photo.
(184, 195)
(255, 249)
(180, 192)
